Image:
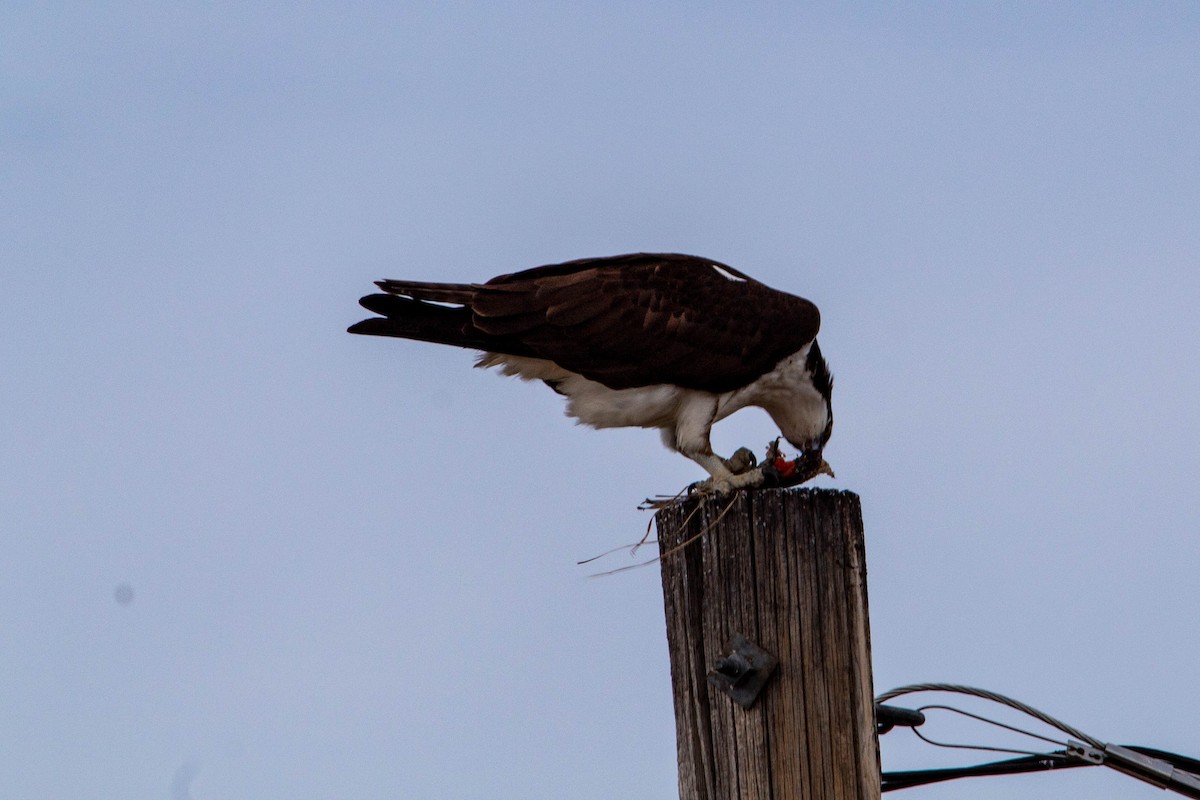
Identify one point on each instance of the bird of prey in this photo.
(651, 340)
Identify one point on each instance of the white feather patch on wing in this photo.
(724, 273)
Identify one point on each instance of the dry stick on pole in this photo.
(787, 571)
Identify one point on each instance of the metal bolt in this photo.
(734, 666)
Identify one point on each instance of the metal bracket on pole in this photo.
(743, 671)
(888, 717)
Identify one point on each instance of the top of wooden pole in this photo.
(786, 569)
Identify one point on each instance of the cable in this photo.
(1015, 766)
(1166, 770)
(968, 714)
(906, 779)
(994, 697)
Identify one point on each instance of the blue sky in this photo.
(353, 560)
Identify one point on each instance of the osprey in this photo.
(651, 340)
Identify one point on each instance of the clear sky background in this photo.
(352, 560)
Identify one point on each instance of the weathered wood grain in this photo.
(787, 570)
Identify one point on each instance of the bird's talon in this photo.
(723, 487)
(743, 460)
(710, 487)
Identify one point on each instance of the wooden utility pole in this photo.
(785, 570)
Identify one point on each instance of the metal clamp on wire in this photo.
(1161, 773)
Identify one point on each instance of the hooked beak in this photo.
(806, 452)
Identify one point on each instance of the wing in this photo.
(645, 318)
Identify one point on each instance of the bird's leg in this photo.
(691, 438)
(725, 486)
(724, 479)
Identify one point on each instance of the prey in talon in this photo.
(778, 471)
(775, 472)
(649, 340)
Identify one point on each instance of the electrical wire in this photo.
(1015, 766)
(1172, 771)
(988, 748)
(995, 697)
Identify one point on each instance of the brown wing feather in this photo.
(649, 318)
(625, 321)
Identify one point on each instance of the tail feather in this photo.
(406, 318)
(459, 293)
